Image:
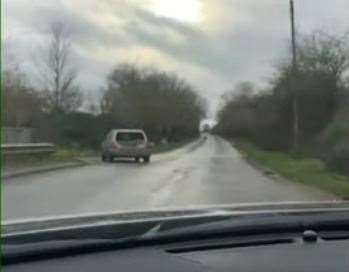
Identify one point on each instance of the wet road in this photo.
(205, 172)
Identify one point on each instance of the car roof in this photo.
(128, 130)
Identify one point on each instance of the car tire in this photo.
(103, 158)
(137, 159)
(146, 159)
(110, 158)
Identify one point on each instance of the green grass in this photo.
(299, 168)
(60, 155)
(64, 154)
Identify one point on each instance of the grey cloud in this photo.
(250, 36)
(83, 31)
(197, 48)
(230, 55)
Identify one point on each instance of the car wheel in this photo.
(110, 158)
(146, 159)
(103, 157)
(137, 159)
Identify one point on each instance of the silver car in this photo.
(126, 143)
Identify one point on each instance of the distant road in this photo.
(205, 172)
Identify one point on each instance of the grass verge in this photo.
(298, 168)
(60, 155)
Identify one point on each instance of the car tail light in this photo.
(115, 145)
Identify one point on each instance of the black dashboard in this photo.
(288, 252)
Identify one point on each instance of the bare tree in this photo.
(60, 76)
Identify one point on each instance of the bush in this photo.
(336, 141)
(75, 130)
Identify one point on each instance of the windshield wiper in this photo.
(76, 240)
(169, 231)
(250, 225)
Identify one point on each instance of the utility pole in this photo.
(295, 106)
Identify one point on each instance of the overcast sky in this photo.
(212, 43)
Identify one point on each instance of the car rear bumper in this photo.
(130, 153)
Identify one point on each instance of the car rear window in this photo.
(129, 136)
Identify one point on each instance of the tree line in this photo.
(167, 107)
(321, 87)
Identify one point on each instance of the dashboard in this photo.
(287, 252)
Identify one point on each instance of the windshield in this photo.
(134, 106)
(129, 136)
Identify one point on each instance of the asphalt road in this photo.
(205, 172)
